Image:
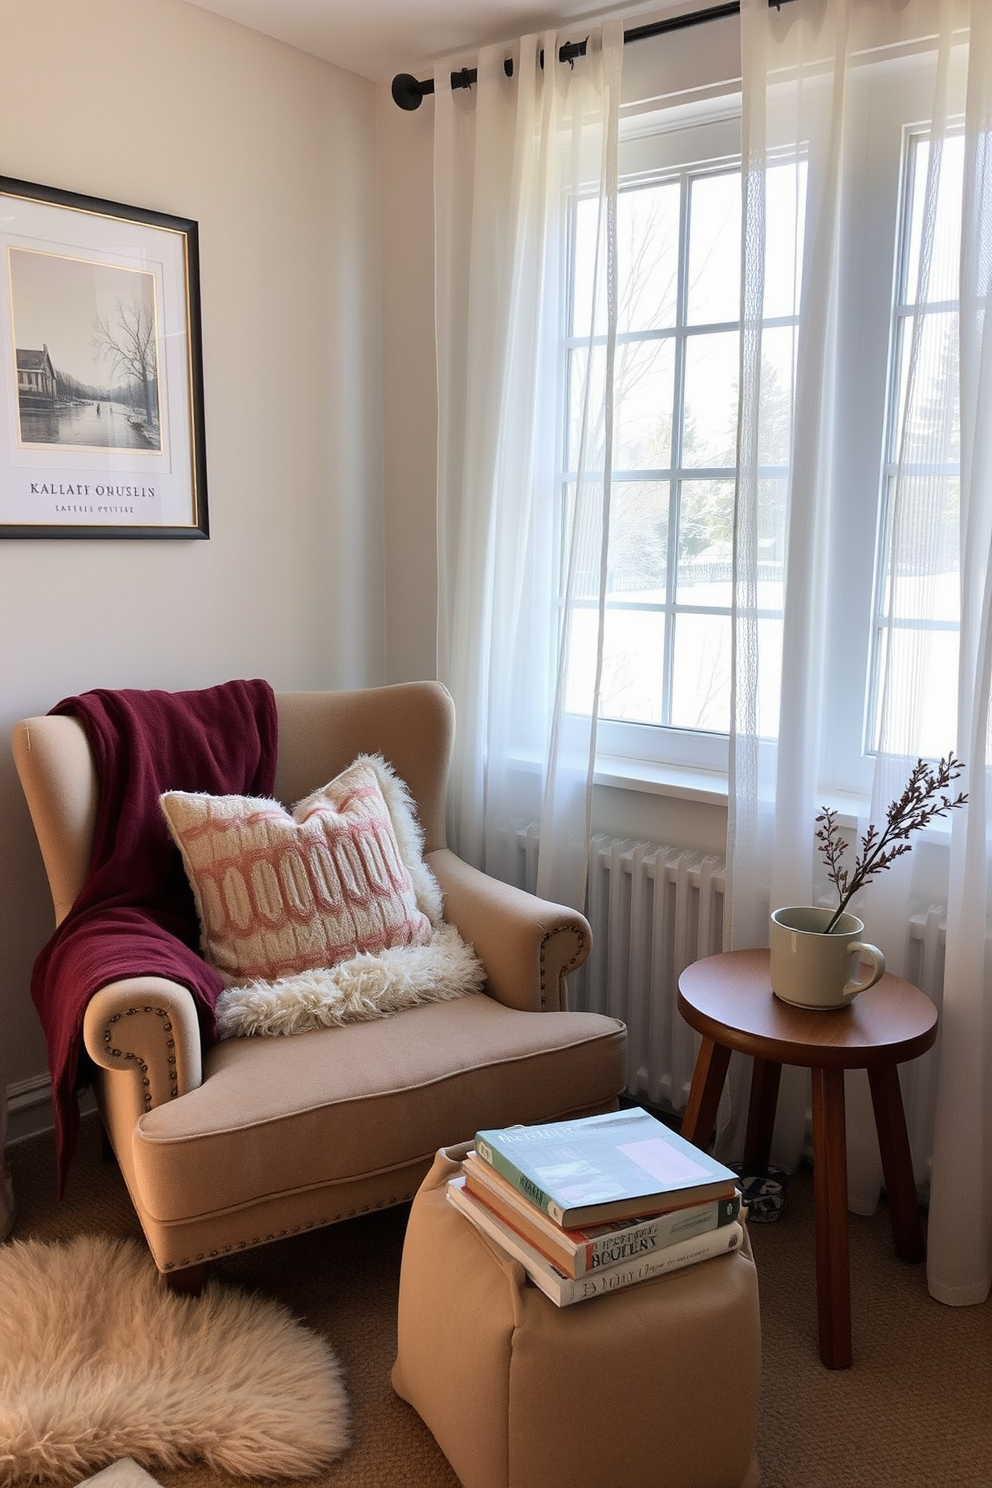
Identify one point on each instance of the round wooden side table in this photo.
(729, 1000)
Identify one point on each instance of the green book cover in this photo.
(613, 1166)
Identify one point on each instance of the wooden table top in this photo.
(728, 998)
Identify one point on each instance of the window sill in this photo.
(709, 787)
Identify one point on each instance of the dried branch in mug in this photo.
(923, 800)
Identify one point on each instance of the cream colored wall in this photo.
(160, 104)
(406, 185)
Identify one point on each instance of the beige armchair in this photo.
(255, 1139)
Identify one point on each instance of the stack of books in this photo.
(590, 1206)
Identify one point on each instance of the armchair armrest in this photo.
(527, 945)
(146, 1029)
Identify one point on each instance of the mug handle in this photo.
(874, 955)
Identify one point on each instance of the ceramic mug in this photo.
(813, 970)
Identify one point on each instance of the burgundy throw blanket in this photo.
(136, 916)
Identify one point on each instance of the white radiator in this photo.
(653, 910)
(925, 955)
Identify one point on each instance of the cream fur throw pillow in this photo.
(364, 987)
(322, 915)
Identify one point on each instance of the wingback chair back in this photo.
(253, 1139)
(320, 733)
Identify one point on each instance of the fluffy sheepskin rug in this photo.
(98, 1361)
(364, 987)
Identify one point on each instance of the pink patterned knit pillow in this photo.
(279, 892)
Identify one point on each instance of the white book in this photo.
(562, 1289)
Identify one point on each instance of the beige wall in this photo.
(160, 104)
(406, 185)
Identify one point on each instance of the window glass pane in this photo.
(701, 673)
(648, 256)
(581, 668)
(944, 266)
(588, 316)
(644, 392)
(667, 635)
(706, 542)
(586, 387)
(917, 617)
(769, 676)
(772, 497)
(778, 355)
(928, 429)
(633, 666)
(710, 420)
(579, 539)
(922, 580)
(714, 268)
(919, 720)
(785, 207)
(638, 556)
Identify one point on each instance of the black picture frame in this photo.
(101, 369)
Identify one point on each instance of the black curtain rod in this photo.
(409, 92)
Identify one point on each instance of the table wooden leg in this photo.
(765, 1079)
(897, 1162)
(833, 1270)
(704, 1094)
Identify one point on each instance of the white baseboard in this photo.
(29, 1108)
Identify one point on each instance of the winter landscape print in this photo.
(101, 374)
(85, 341)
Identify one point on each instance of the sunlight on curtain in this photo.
(814, 76)
(959, 1266)
(522, 563)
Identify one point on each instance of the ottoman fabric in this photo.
(655, 1386)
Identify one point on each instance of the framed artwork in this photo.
(101, 381)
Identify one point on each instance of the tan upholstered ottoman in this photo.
(652, 1387)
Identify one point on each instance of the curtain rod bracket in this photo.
(409, 92)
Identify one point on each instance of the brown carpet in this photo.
(915, 1411)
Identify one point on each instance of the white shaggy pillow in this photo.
(353, 991)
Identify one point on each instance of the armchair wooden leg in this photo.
(187, 1282)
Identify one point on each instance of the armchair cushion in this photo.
(287, 1134)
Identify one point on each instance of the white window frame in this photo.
(890, 103)
(654, 147)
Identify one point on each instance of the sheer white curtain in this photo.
(959, 1266)
(809, 72)
(522, 549)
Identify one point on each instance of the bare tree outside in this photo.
(125, 341)
(667, 638)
